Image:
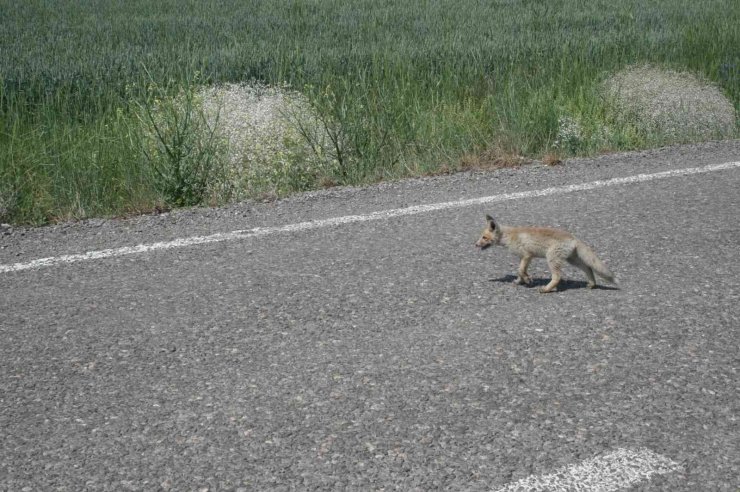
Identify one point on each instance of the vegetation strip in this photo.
(106, 106)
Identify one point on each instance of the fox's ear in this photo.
(491, 221)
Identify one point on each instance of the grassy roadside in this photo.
(397, 89)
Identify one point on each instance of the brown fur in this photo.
(557, 246)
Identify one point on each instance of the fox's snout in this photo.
(485, 240)
(482, 243)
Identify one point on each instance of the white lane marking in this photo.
(349, 219)
(614, 471)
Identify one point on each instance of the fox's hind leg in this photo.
(522, 276)
(578, 263)
(554, 261)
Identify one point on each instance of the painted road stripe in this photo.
(614, 471)
(350, 219)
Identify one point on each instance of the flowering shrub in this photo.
(570, 134)
(575, 136)
(669, 105)
(276, 143)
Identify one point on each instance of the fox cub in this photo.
(556, 245)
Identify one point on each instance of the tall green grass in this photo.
(410, 85)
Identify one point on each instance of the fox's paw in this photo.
(545, 290)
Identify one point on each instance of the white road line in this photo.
(614, 471)
(349, 219)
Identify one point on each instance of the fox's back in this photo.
(537, 241)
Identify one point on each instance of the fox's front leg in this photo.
(522, 276)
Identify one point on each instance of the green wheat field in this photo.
(101, 101)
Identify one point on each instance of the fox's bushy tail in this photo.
(587, 255)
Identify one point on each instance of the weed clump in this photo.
(181, 145)
(7, 204)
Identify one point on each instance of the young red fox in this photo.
(556, 245)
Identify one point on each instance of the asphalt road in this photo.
(386, 354)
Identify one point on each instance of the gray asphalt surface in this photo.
(381, 355)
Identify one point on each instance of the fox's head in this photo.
(491, 234)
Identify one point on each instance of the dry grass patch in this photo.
(496, 157)
(551, 159)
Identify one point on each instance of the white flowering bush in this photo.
(276, 143)
(220, 143)
(581, 135)
(569, 136)
(668, 105)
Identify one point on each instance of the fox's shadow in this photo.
(565, 284)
